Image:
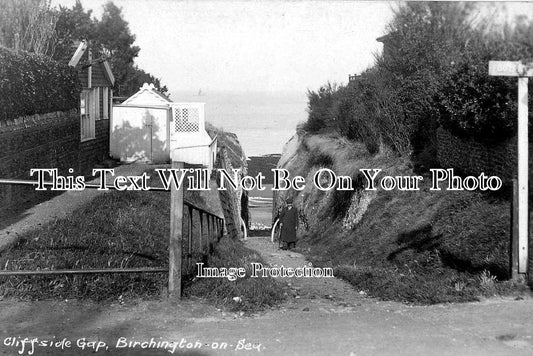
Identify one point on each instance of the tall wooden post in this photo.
(176, 236)
(523, 195)
(522, 71)
(514, 233)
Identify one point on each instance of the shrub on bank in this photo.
(418, 246)
(34, 84)
(433, 71)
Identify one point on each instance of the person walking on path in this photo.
(289, 222)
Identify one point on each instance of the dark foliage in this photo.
(433, 71)
(320, 108)
(34, 84)
(109, 38)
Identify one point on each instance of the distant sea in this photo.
(263, 121)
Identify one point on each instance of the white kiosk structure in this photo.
(189, 141)
(149, 127)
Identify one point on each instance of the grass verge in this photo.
(244, 294)
(118, 230)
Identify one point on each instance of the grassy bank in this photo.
(122, 229)
(117, 229)
(422, 247)
(246, 294)
(415, 246)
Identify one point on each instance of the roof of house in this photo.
(100, 73)
(147, 95)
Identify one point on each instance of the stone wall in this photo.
(49, 140)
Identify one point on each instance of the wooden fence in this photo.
(211, 225)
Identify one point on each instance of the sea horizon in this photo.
(262, 120)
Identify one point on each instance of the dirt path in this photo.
(307, 292)
(322, 317)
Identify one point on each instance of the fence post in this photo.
(208, 220)
(190, 237)
(529, 274)
(215, 224)
(201, 231)
(514, 232)
(176, 236)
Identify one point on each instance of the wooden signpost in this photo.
(522, 71)
(176, 235)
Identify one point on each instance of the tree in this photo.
(433, 72)
(28, 25)
(135, 78)
(73, 25)
(110, 38)
(116, 42)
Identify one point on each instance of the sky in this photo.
(256, 45)
(252, 45)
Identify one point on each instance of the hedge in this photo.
(34, 84)
(432, 72)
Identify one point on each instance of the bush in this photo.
(356, 115)
(433, 71)
(474, 104)
(321, 108)
(33, 84)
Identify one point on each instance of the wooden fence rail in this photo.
(211, 226)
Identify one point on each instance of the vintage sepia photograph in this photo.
(285, 177)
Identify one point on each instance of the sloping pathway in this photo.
(308, 292)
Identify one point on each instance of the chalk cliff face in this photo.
(289, 153)
(403, 245)
(234, 203)
(230, 141)
(304, 156)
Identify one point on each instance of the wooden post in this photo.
(176, 236)
(208, 219)
(514, 233)
(215, 227)
(190, 237)
(522, 71)
(523, 196)
(201, 231)
(90, 68)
